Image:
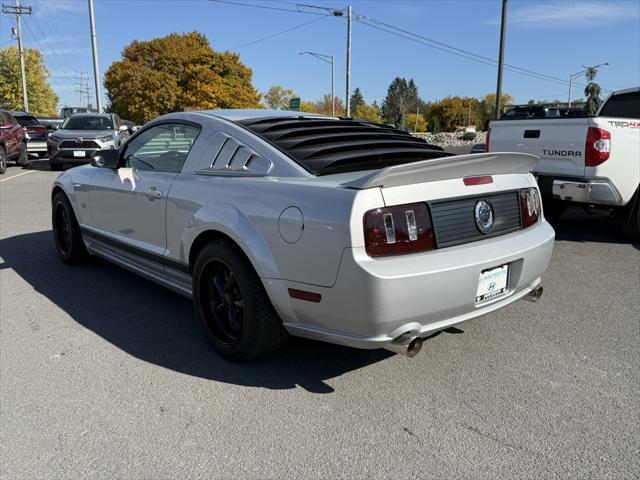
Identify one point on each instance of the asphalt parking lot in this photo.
(106, 375)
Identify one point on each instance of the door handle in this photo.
(154, 194)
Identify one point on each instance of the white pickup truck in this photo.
(593, 161)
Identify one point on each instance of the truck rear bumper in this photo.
(597, 191)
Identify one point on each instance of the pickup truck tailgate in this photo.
(560, 143)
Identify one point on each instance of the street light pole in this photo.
(348, 93)
(326, 59)
(573, 76)
(503, 27)
(96, 67)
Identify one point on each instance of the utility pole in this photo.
(18, 10)
(83, 88)
(348, 95)
(503, 28)
(94, 49)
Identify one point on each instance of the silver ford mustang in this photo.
(280, 223)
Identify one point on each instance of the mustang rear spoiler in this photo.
(445, 168)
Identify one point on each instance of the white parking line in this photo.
(18, 175)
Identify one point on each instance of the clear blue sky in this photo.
(551, 37)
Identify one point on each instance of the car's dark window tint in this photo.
(88, 122)
(162, 148)
(625, 105)
(28, 121)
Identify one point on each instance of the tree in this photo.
(42, 99)
(324, 105)
(277, 97)
(174, 73)
(356, 100)
(487, 110)
(450, 112)
(415, 122)
(367, 112)
(402, 97)
(592, 91)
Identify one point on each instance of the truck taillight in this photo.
(486, 143)
(598, 147)
(398, 230)
(529, 206)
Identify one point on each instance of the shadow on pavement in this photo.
(576, 225)
(158, 326)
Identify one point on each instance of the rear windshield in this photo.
(625, 105)
(88, 122)
(327, 145)
(28, 121)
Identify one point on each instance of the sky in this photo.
(553, 38)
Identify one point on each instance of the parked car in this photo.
(13, 141)
(81, 134)
(37, 133)
(51, 123)
(590, 161)
(330, 228)
(68, 111)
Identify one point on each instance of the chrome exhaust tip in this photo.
(407, 344)
(534, 295)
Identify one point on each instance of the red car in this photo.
(13, 141)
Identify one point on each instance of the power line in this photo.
(297, 10)
(258, 40)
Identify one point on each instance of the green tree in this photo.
(174, 73)
(42, 99)
(277, 97)
(356, 100)
(402, 98)
(592, 91)
(415, 122)
(367, 112)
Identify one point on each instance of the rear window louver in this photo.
(325, 145)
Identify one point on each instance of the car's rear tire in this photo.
(55, 167)
(232, 304)
(3, 160)
(66, 231)
(632, 224)
(23, 158)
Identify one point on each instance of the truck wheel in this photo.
(23, 158)
(66, 231)
(3, 160)
(632, 225)
(554, 209)
(232, 304)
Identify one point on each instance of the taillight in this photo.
(397, 230)
(598, 147)
(529, 206)
(486, 143)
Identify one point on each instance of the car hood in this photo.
(84, 134)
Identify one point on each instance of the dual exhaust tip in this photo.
(410, 344)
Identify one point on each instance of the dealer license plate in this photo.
(492, 283)
(79, 153)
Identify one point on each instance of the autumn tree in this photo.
(368, 112)
(278, 97)
(415, 122)
(174, 73)
(42, 99)
(487, 108)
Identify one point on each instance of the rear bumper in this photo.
(375, 301)
(596, 191)
(36, 146)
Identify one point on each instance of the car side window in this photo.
(163, 148)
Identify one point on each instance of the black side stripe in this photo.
(154, 257)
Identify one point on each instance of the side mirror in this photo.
(106, 159)
(123, 128)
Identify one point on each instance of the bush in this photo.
(469, 136)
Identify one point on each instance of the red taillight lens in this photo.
(598, 147)
(486, 143)
(397, 230)
(529, 206)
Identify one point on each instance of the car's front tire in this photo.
(66, 231)
(3, 160)
(232, 304)
(23, 158)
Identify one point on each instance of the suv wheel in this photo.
(3, 160)
(23, 158)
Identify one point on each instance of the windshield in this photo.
(27, 121)
(88, 122)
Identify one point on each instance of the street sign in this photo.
(294, 104)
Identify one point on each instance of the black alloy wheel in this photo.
(224, 311)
